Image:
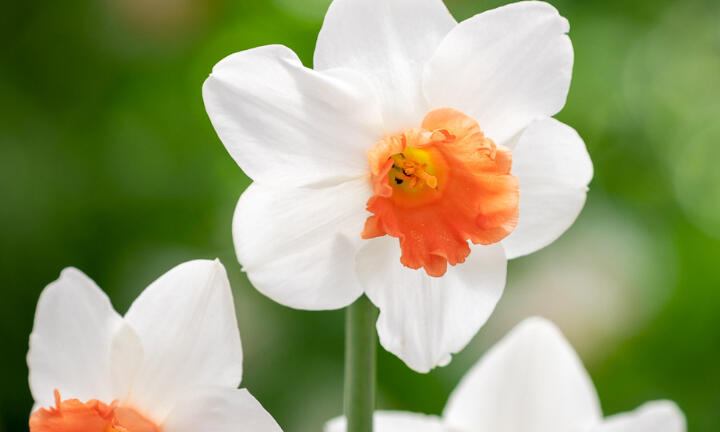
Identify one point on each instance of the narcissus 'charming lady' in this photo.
(414, 160)
(171, 364)
(531, 381)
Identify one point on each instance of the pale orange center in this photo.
(72, 415)
(438, 186)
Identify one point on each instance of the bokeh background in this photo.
(109, 163)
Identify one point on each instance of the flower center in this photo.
(412, 170)
(72, 415)
(438, 186)
(416, 176)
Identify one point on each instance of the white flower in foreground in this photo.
(417, 157)
(531, 381)
(172, 364)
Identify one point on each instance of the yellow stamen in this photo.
(410, 171)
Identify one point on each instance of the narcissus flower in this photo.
(417, 157)
(531, 381)
(171, 364)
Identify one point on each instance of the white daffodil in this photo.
(171, 364)
(531, 381)
(409, 165)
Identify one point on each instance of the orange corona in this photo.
(439, 186)
(72, 415)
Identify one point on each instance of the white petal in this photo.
(288, 125)
(220, 410)
(423, 319)
(71, 338)
(504, 67)
(394, 421)
(186, 321)
(532, 380)
(553, 167)
(658, 416)
(389, 42)
(298, 245)
(127, 356)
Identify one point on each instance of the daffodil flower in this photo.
(415, 159)
(171, 364)
(531, 381)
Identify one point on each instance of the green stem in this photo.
(360, 365)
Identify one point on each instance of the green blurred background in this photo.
(109, 163)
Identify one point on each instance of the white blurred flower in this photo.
(531, 381)
(414, 160)
(172, 363)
